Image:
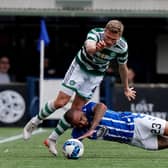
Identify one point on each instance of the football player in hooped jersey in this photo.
(86, 73)
(95, 121)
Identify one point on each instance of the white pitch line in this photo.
(20, 136)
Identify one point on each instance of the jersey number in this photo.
(156, 128)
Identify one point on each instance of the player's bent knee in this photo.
(166, 129)
(162, 142)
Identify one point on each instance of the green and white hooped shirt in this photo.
(99, 62)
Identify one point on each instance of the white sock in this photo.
(53, 136)
(51, 105)
(36, 120)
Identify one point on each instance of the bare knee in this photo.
(78, 105)
(162, 142)
(61, 100)
(166, 129)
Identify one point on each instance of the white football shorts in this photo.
(79, 81)
(146, 130)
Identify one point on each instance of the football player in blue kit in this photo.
(95, 121)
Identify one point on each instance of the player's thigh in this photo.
(150, 125)
(147, 129)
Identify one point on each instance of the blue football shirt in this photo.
(114, 126)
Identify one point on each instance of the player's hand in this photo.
(100, 45)
(87, 134)
(130, 93)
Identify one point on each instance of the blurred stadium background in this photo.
(68, 21)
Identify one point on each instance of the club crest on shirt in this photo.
(72, 82)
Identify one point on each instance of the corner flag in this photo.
(43, 34)
(43, 40)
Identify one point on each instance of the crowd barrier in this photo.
(20, 101)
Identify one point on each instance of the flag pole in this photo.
(43, 41)
(41, 83)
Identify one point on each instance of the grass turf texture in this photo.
(97, 154)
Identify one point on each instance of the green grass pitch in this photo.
(97, 154)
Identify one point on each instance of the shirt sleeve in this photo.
(92, 35)
(122, 58)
